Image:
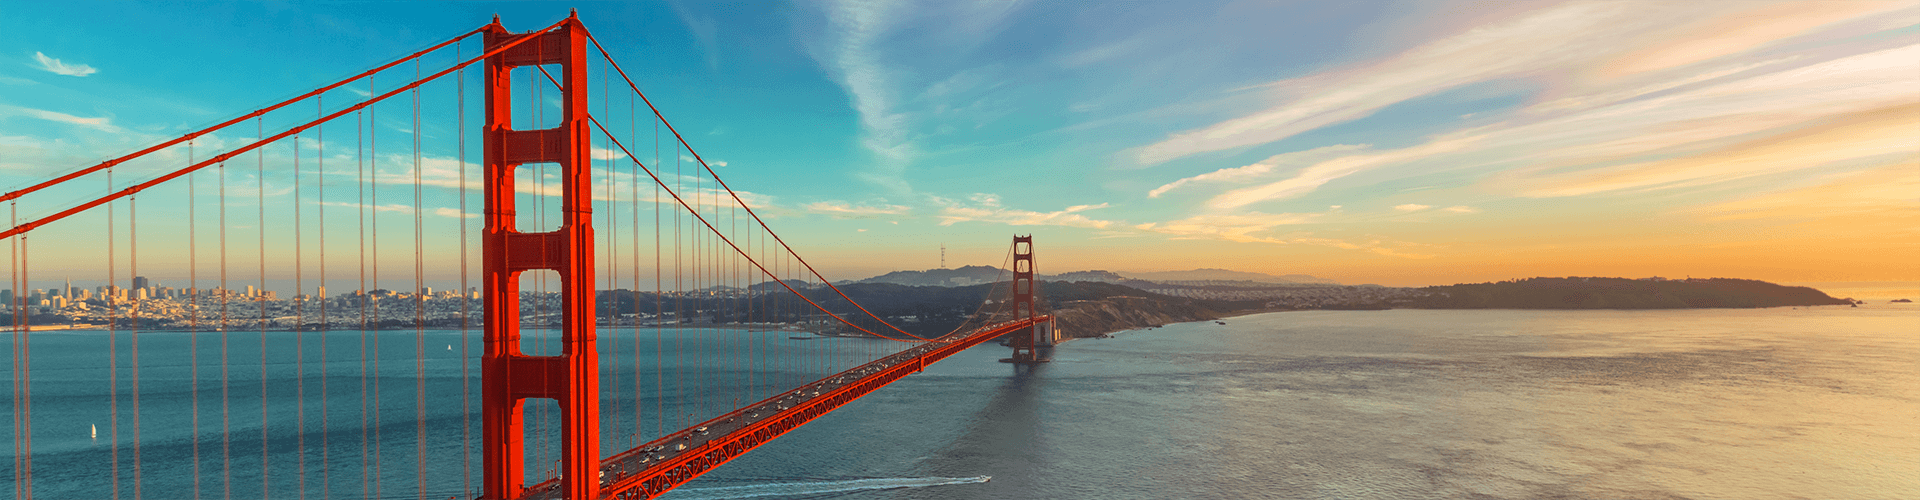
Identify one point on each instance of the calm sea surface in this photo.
(1705, 404)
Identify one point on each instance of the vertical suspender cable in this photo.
(659, 300)
(419, 311)
(226, 385)
(25, 332)
(373, 301)
(466, 400)
(260, 179)
(613, 235)
(633, 194)
(379, 325)
(326, 370)
(299, 336)
(113, 342)
(133, 334)
(679, 344)
(16, 313)
(193, 311)
(360, 189)
(299, 333)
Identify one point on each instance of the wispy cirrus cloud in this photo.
(1261, 168)
(401, 208)
(55, 66)
(1889, 193)
(1312, 177)
(1881, 132)
(704, 29)
(854, 56)
(911, 70)
(844, 210)
(102, 124)
(986, 208)
(1668, 108)
(1576, 46)
(1258, 227)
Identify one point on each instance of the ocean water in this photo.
(1819, 402)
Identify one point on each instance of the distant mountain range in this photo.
(974, 275)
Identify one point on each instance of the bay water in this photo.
(1820, 402)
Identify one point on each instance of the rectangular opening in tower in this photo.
(537, 102)
(540, 312)
(537, 197)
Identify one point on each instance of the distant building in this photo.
(140, 282)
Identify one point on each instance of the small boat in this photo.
(801, 338)
(94, 430)
(1219, 322)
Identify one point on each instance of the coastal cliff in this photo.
(1093, 318)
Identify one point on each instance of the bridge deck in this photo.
(653, 468)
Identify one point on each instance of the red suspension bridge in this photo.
(585, 236)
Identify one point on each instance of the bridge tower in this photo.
(509, 376)
(1025, 340)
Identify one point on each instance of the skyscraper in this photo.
(140, 282)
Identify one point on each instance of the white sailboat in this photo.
(94, 430)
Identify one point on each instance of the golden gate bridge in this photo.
(594, 242)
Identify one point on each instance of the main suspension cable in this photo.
(736, 248)
(730, 192)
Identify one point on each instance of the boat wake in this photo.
(815, 488)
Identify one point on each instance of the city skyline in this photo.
(1402, 144)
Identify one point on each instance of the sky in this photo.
(1397, 143)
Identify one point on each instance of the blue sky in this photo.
(1402, 143)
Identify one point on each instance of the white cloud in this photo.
(1586, 52)
(57, 67)
(1261, 168)
(1312, 177)
(1240, 227)
(991, 211)
(858, 32)
(1662, 126)
(402, 208)
(703, 29)
(1462, 209)
(102, 123)
(454, 213)
(1258, 227)
(844, 210)
(1411, 207)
